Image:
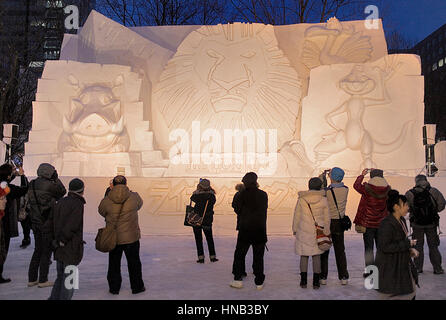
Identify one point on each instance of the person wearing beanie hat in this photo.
(337, 194)
(120, 209)
(251, 206)
(204, 198)
(43, 192)
(372, 209)
(311, 208)
(68, 221)
(77, 186)
(425, 198)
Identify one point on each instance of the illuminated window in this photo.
(441, 63)
(434, 67)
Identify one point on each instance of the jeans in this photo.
(370, 237)
(337, 236)
(40, 261)
(199, 241)
(114, 278)
(60, 291)
(238, 267)
(433, 241)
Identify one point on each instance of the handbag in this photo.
(23, 213)
(192, 218)
(107, 238)
(346, 223)
(324, 242)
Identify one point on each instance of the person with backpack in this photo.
(311, 211)
(9, 224)
(372, 209)
(43, 193)
(120, 209)
(204, 199)
(336, 194)
(67, 220)
(425, 202)
(251, 206)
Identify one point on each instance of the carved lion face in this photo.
(230, 76)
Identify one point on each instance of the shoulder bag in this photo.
(324, 242)
(193, 219)
(107, 238)
(345, 221)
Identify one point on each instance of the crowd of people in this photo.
(319, 223)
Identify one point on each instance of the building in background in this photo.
(432, 51)
(31, 32)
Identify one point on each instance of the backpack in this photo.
(424, 208)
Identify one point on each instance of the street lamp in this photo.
(429, 131)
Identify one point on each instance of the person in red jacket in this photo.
(372, 209)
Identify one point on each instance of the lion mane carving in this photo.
(231, 76)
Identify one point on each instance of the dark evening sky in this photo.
(416, 19)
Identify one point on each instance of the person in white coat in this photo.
(304, 228)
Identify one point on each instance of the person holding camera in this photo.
(9, 223)
(372, 209)
(336, 194)
(43, 193)
(425, 202)
(397, 274)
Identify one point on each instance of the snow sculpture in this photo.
(335, 43)
(369, 120)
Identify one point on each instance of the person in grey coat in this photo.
(43, 193)
(67, 221)
(426, 224)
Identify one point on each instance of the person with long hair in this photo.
(204, 199)
(397, 272)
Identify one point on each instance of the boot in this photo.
(303, 280)
(316, 283)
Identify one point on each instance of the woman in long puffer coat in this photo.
(304, 228)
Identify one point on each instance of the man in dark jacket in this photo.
(68, 220)
(372, 209)
(424, 219)
(251, 207)
(43, 193)
(9, 222)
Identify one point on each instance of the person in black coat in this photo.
(9, 222)
(396, 270)
(204, 198)
(43, 193)
(67, 220)
(251, 207)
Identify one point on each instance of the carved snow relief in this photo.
(335, 43)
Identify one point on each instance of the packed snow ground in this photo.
(170, 272)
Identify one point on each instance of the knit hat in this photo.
(205, 184)
(315, 184)
(376, 173)
(337, 174)
(419, 178)
(250, 179)
(76, 185)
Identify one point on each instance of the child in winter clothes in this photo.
(311, 209)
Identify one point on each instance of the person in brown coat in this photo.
(120, 207)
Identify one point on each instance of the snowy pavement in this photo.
(170, 272)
